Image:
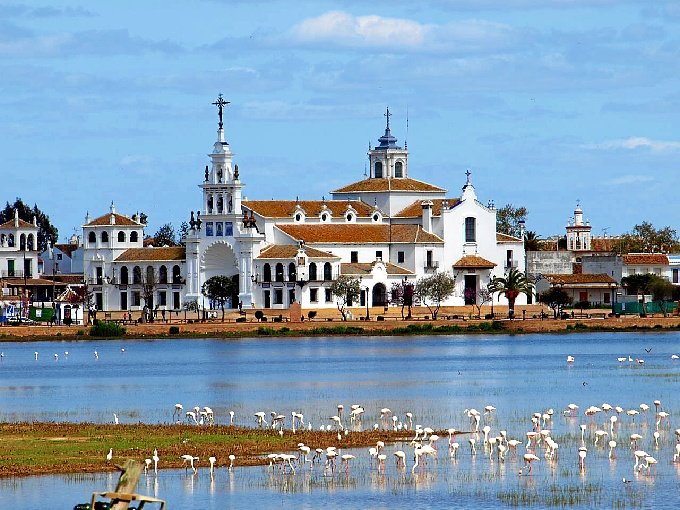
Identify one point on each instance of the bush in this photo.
(106, 328)
(259, 314)
(174, 330)
(311, 314)
(80, 332)
(241, 319)
(262, 330)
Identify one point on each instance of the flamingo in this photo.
(231, 418)
(109, 455)
(212, 461)
(513, 444)
(232, 458)
(178, 411)
(400, 458)
(570, 359)
(115, 419)
(338, 422)
(416, 457)
(612, 424)
(341, 408)
(147, 464)
(190, 459)
(528, 459)
(582, 458)
(155, 459)
(599, 434)
(345, 460)
(571, 409)
(639, 455)
(634, 438)
(473, 450)
(259, 417)
(676, 455)
(409, 417)
(656, 438)
(612, 445)
(453, 447)
(649, 462)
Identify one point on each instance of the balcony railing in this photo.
(431, 265)
(510, 264)
(17, 273)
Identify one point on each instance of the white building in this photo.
(382, 229)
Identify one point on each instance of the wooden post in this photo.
(131, 472)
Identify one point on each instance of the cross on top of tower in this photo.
(220, 103)
(468, 174)
(388, 115)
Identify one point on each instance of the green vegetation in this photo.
(174, 330)
(346, 290)
(106, 329)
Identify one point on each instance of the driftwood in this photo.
(124, 494)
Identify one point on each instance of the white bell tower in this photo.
(388, 160)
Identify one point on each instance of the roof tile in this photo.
(153, 254)
(396, 184)
(473, 262)
(579, 278)
(290, 251)
(286, 208)
(645, 258)
(364, 268)
(353, 233)
(119, 219)
(415, 210)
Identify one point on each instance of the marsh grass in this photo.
(554, 496)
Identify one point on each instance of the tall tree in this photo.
(662, 292)
(645, 238)
(346, 289)
(165, 235)
(183, 232)
(508, 219)
(433, 290)
(531, 241)
(46, 231)
(512, 285)
(402, 294)
(218, 289)
(556, 298)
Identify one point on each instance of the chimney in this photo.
(427, 215)
(16, 218)
(522, 229)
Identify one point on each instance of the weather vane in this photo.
(221, 103)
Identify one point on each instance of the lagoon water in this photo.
(435, 378)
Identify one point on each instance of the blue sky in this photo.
(546, 101)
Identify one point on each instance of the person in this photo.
(163, 314)
(240, 307)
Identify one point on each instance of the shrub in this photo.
(174, 330)
(80, 332)
(106, 328)
(262, 330)
(259, 314)
(240, 319)
(311, 314)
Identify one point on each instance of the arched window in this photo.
(121, 237)
(298, 217)
(150, 276)
(291, 272)
(470, 230)
(163, 274)
(137, 274)
(399, 169)
(105, 237)
(124, 277)
(312, 272)
(31, 244)
(22, 242)
(176, 274)
(267, 276)
(349, 217)
(279, 272)
(379, 295)
(10, 240)
(377, 170)
(134, 237)
(92, 237)
(327, 271)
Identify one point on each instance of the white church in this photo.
(383, 229)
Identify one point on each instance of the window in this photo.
(22, 242)
(105, 237)
(324, 217)
(354, 257)
(291, 272)
(398, 169)
(349, 217)
(378, 172)
(137, 274)
(298, 217)
(278, 296)
(31, 245)
(312, 272)
(123, 301)
(675, 276)
(209, 228)
(314, 295)
(99, 300)
(59, 256)
(134, 237)
(291, 296)
(400, 257)
(121, 237)
(92, 237)
(376, 217)
(267, 299)
(150, 275)
(328, 295)
(327, 271)
(163, 275)
(279, 272)
(124, 276)
(267, 273)
(470, 228)
(607, 298)
(378, 255)
(428, 258)
(99, 272)
(162, 298)
(176, 275)
(175, 301)
(136, 298)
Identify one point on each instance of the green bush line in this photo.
(106, 329)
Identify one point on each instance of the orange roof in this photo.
(118, 219)
(70, 278)
(603, 244)
(289, 251)
(396, 184)
(22, 224)
(286, 208)
(153, 254)
(645, 258)
(505, 238)
(578, 278)
(354, 233)
(67, 248)
(415, 210)
(14, 281)
(473, 262)
(364, 268)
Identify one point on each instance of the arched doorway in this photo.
(379, 295)
(219, 259)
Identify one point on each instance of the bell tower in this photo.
(388, 160)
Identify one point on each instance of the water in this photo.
(435, 378)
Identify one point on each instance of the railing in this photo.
(17, 273)
(510, 264)
(432, 265)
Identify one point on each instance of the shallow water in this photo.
(435, 378)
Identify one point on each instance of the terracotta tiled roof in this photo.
(353, 233)
(364, 268)
(153, 254)
(67, 248)
(72, 279)
(286, 208)
(373, 185)
(505, 238)
(473, 262)
(578, 278)
(602, 244)
(415, 210)
(119, 219)
(22, 224)
(29, 282)
(289, 251)
(645, 259)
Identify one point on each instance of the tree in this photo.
(556, 298)
(512, 285)
(483, 296)
(165, 235)
(638, 284)
(645, 238)
(191, 306)
(531, 241)
(346, 289)
(402, 294)
(662, 291)
(508, 219)
(435, 289)
(46, 231)
(219, 289)
(183, 232)
(149, 279)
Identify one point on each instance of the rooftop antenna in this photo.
(406, 138)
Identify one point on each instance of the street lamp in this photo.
(368, 316)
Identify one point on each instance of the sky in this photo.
(547, 102)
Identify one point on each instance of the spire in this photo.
(468, 189)
(220, 103)
(387, 141)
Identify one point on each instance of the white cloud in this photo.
(630, 179)
(637, 142)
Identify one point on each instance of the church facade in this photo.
(384, 229)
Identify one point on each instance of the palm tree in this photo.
(512, 285)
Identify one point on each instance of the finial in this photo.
(236, 172)
(388, 115)
(468, 174)
(220, 103)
